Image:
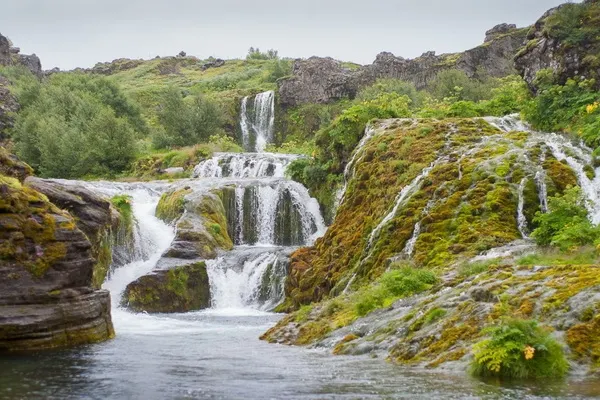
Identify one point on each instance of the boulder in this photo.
(201, 223)
(46, 269)
(95, 215)
(10, 56)
(180, 289)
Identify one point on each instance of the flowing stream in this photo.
(216, 353)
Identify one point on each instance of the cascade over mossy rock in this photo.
(95, 216)
(180, 289)
(200, 221)
(46, 268)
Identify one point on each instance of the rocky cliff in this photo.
(565, 41)
(322, 80)
(10, 55)
(46, 269)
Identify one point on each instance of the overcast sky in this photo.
(79, 33)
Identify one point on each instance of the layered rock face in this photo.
(180, 289)
(95, 217)
(552, 49)
(322, 80)
(46, 269)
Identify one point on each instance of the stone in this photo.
(543, 51)
(46, 270)
(180, 289)
(95, 215)
(498, 30)
(213, 64)
(200, 221)
(10, 55)
(323, 80)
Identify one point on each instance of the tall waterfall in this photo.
(257, 121)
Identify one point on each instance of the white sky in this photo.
(79, 33)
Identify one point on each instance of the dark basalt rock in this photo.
(10, 56)
(180, 289)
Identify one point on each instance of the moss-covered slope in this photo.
(430, 193)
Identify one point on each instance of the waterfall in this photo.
(244, 165)
(521, 220)
(248, 277)
(257, 121)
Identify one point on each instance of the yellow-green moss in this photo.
(171, 205)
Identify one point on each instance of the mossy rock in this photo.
(181, 289)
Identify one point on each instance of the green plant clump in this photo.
(519, 349)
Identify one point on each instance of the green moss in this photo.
(584, 341)
(171, 205)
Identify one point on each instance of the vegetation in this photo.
(566, 225)
(74, 125)
(519, 349)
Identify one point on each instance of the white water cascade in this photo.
(257, 121)
(244, 165)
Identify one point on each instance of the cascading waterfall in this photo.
(257, 121)
(249, 277)
(244, 165)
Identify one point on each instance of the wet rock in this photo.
(180, 289)
(46, 269)
(201, 224)
(95, 215)
(483, 295)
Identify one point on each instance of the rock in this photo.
(317, 80)
(213, 64)
(182, 54)
(483, 295)
(118, 65)
(323, 80)
(546, 51)
(96, 217)
(180, 289)
(11, 166)
(32, 63)
(8, 107)
(201, 224)
(10, 56)
(46, 268)
(498, 30)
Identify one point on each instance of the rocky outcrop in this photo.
(322, 80)
(11, 56)
(46, 269)
(317, 80)
(11, 166)
(566, 57)
(180, 289)
(8, 107)
(201, 223)
(95, 215)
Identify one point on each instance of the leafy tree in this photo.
(256, 54)
(457, 85)
(185, 122)
(75, 125)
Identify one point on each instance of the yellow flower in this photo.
(529, 352)
(592, 107)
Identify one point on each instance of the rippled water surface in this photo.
(217, 355)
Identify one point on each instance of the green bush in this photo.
(519, 349)
(392, 86)
(566, 224)
(185, 122)
(457, 85)
(76, 125)
(123, 204)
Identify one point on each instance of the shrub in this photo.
(457, 85)
(388, 86)
(76, 126)
(566, 224)
(519, 349)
